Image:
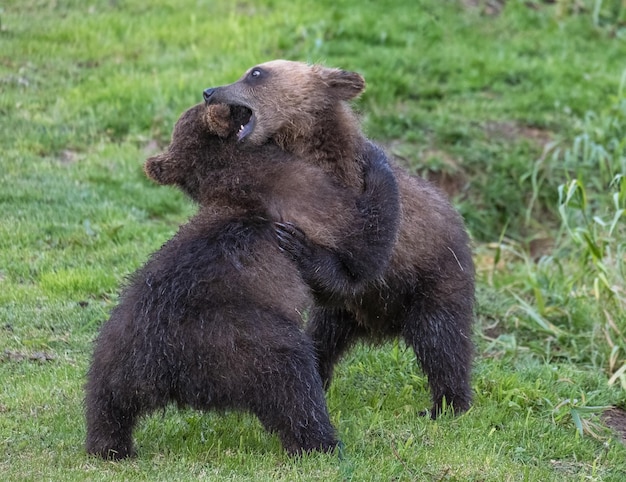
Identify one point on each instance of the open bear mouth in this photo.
(244, 118)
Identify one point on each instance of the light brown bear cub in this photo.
(213, 319)
(427, 292)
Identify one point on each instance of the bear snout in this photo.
(207, 93)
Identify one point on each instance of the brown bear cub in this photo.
(426, 294)
(350, 233)
(213, 319)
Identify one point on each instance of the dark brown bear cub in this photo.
(213, 319)
(426, 294)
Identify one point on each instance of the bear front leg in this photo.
(373, 242)
(365, 249)
(324, 270)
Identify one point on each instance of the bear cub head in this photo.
(286, 97)
(303, 109)
(203, 143)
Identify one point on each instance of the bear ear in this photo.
(345, 85)
(158, 168)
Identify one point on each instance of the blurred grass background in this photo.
(517, 109)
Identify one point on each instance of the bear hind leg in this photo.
(110, 423)
(441, 340)
(114, 401)
(292, 403)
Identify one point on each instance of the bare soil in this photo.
(615, 418)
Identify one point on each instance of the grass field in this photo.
(518, 111)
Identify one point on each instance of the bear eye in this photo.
(255, 73)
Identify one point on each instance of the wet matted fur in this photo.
(426, 294)
(213, 319)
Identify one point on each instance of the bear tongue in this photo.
(246, 129)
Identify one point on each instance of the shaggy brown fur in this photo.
(427, 292)
(350, 233)
(318, 128)
(213, 318)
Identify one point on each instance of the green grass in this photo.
(522, 114)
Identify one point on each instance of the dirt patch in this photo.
(615, 418)
(452, 184)
(68, 156)
(450, 176)
(492, 8)
(486, 7)
(540, 246)
(512, 131)
(15, 356)
(448, 172)
(436, 165)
